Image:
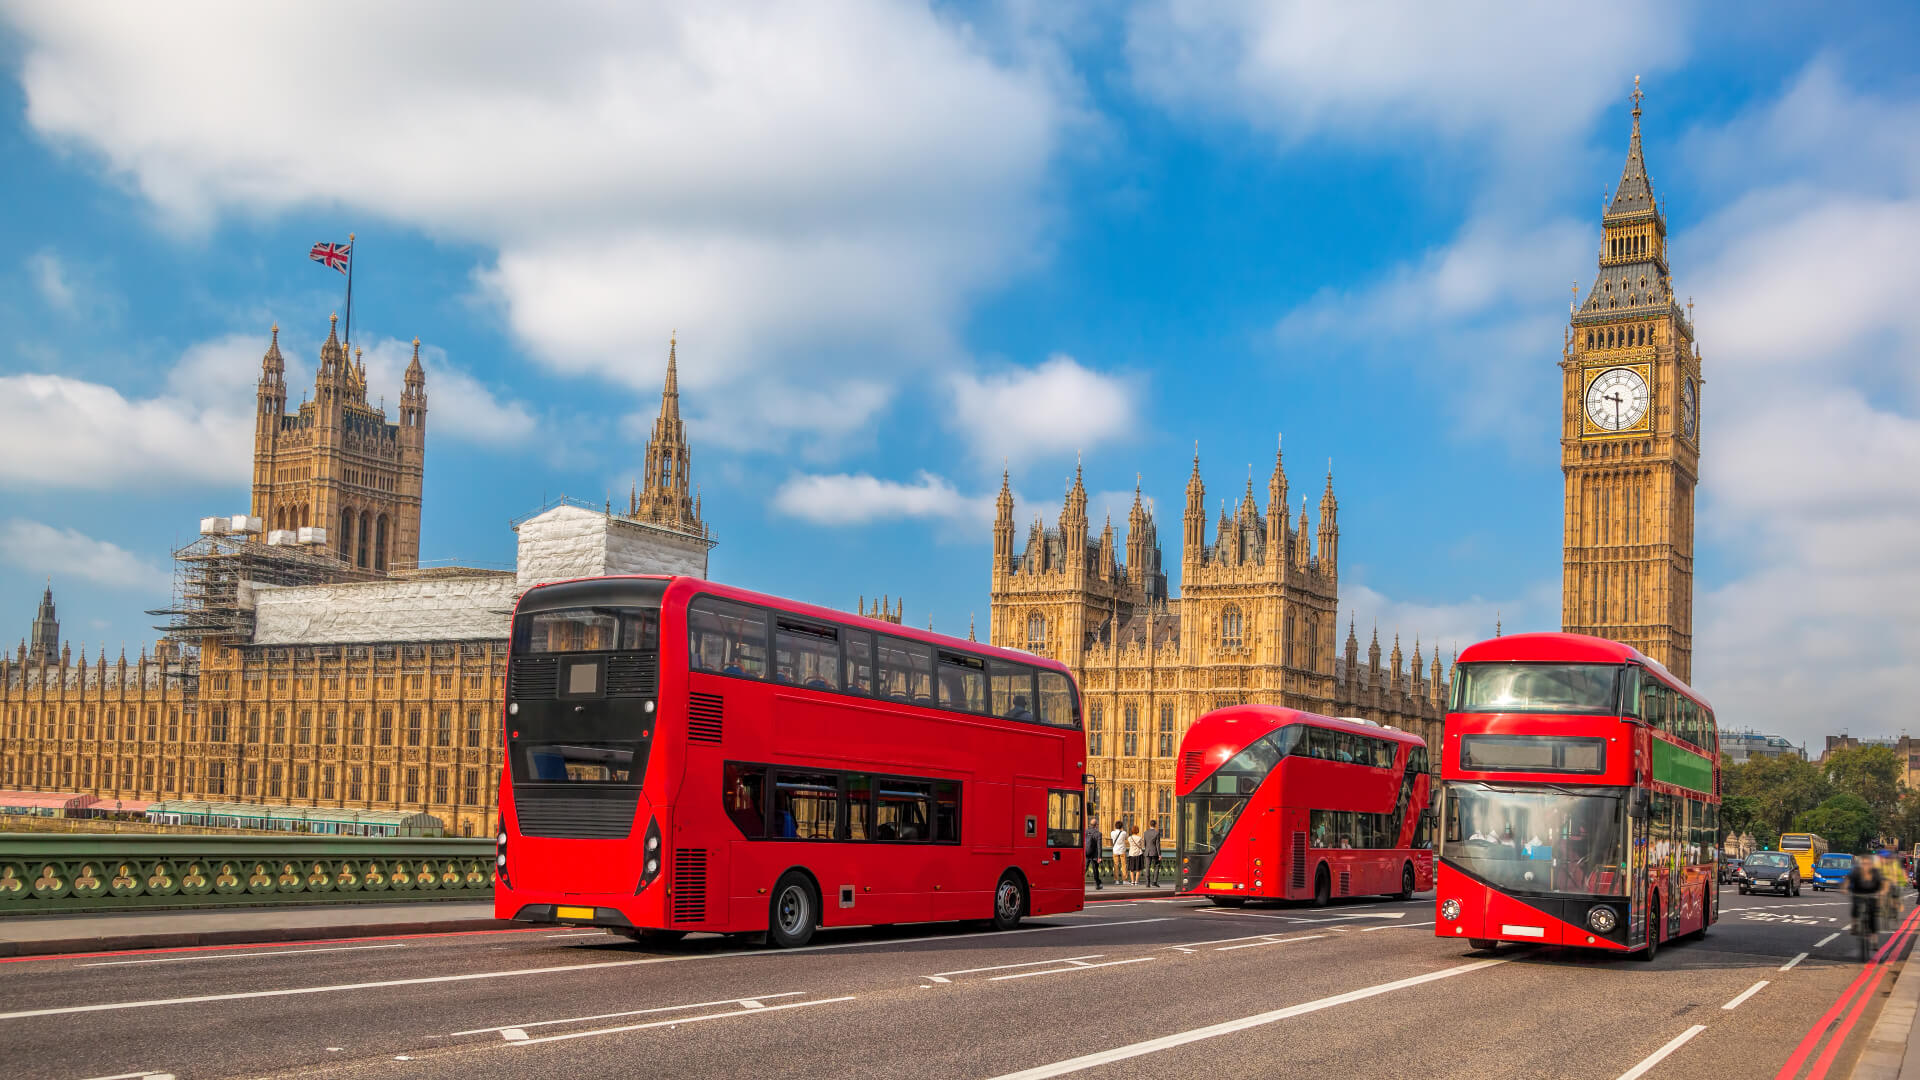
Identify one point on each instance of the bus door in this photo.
(1637, 873)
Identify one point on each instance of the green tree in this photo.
(1781, 788)
(1874, 773)
(1844, 820)
(1737, 813)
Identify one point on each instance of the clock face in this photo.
(1687, 408)
(1617, 400)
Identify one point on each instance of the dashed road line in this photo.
(1270, 941)
(1660, 1055)
(677, 1021)
(942, 976)
(1403, 926)
(1826, 939)
(523, 1025)
(1073, 965)
(1745, 994)
(234, 956)
(1789, 965)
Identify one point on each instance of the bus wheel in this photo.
(1653, 933)
(1406, 883)
(1009, 902)
(1482, 944)
(1322, 887)
(793, 913)
(1228, 901)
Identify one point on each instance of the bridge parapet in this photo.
(53, 873)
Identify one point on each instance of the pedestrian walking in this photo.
(1118, 839)
(1151, 838)
(1093, 853)
(1136, 854)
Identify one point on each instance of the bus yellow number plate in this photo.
(574, 913)
(1225, 886)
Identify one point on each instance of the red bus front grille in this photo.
(703, 717)
(1299, 874)
(1189, 766)
(689, 885)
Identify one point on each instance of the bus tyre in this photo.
(1322, 887)
(1009, 901)
(1653, 934)
(1228, 901)
(1482, 944)
(793, 912)
(1406, 883)
(650, 936)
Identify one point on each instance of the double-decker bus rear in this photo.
(1276, 803)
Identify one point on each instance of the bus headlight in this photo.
(1449, 909)
(1602, 919)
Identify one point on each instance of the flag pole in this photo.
(349, 335)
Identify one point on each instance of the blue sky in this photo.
(903, 246)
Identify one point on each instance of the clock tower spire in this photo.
(1630, 437)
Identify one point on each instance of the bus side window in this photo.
(963, 682)
(1065, 827)
(859, 661)
(1012, 690)
(904, 810)
(946, 811)
(806, 806)
(745, 794)
(1056, 700)
(1382, 754)
(859, 807)
(727, 637)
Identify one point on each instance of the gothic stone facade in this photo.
(1256, 623)
(1630, 440)
(386, 725)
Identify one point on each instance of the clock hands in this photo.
(1616, 399)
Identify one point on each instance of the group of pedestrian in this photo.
(1135, 854)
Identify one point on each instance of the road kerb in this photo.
(1891, 1051)
(187, 939)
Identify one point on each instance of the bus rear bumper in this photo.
(573, 915)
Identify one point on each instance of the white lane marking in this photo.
(513, 1035)
(1659, 1055)
(114, 1006)
(1402, 926)
(1064, 970)
(942, 976)
(632, 1012)
(1745, 994)
(1299, 919)
(681, 1020)
(586, 933)
(1788, 966)
(234, 956)
(135, 1076)
(1168, 1042)
(1826, 939)
(1270, 941)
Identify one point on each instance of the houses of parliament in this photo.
(307, 666)
(289, 693)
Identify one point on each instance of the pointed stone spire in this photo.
(970, 636)
(272, 363)
(1303, 551)
(666, 486)
(1194, 541)
(1634, 195)
(1353, 647)
(46, 628)
(1004, 503)
(1373, 650)
(1396, 658)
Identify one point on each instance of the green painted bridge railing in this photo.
(60, 873)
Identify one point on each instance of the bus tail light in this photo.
(651, 855)
(500, 860)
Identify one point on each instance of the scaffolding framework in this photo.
(213, 579)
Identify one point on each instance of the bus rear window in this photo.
(597, 629)
(1592, 689)
(1533, 753)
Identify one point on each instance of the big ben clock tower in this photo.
(1630, 437)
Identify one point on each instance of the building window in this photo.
(358, 731)
(1166, 731)
(153, 724)
(280, 727)
(33, 723)
(354, 787)
(1232, 628)
(440, 787)
(1132, 730)
(303, 731)
(300, 781)
(473, 728)
(1286, 641)
(386, 727)
(1163, 803)
(1036, 631)
(1128, 801)
(216, 726)
(383, 785)
(413, 727)
(253, 779)
(275, 780)
(216, 777)
(330, 727)
(326, 781)
(146, 775)
(253, 728)
(126, 773)
(413, 786)
(173, 778)
(173, 727)
(73, 723)
(1096, 729)
(443, 728)
(470, 788)
(86, 772)
(90, 722)
(112, 728)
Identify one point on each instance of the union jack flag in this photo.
(333, 255)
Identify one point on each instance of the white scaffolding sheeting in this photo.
(568, 542)
(473, 607)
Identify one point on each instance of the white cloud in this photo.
(59, 432)
(856, 499)
(1059, 406)
(36, 548)
(459, 406)
(50, 277)
(809, 192)
(1520, 73)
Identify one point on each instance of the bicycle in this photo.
(1865, 926)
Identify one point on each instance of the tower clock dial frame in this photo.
(1617, 400)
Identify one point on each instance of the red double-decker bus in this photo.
(1288, 805)
(1581, 798)
(685, 756)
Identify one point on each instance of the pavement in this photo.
(1154, 986)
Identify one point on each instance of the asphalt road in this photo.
(1159, 988)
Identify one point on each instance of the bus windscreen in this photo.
(1592, 689)
(1570, 841)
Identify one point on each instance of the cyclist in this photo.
(1896, 888)
(1865, 883)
